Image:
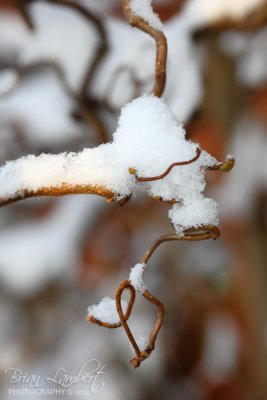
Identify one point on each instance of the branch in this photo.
(62, 190)
(161, 46)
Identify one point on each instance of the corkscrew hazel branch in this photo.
(194, 234)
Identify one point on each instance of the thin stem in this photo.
(194, 234)
(168, 170)
(140, 355)
(125, 285)
(136, 361)
(161, 46)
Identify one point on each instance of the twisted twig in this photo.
(168, 170)
(161, 46)
(203, 232)
(140, 355)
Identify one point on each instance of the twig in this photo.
(203, 232)
(168, 170)
(161, 46)
(140, 355)
(136, 361)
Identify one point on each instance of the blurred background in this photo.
(66, 68)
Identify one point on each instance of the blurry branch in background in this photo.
(85, 104)
(161, 46)
(253, 21)
(24, 12)
(138, 84)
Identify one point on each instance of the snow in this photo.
(8, 80)
(136, 278)
(202, 211)
(43, 107)
(106, 310)
(142, 342)
(143, 9)
(148, 139)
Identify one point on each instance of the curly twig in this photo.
(195, 233)
(168, 170)
(140, 355)
(203, 232)
(161, 45)
(136, 361)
